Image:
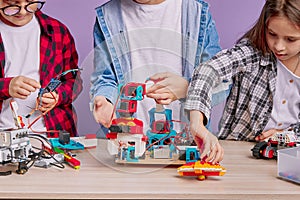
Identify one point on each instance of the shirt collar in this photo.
(44, 21)
(267, 60)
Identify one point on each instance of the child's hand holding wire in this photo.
(48, 101)
(44, 104)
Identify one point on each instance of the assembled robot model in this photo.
(161, 134)
(166, 143)
(201, 169)
(159, 145)
(126, 130)
(285, 139)
(15, 146)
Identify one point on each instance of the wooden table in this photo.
(100, 177)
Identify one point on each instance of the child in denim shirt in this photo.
(163, 40)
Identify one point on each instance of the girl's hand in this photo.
(267, 134)
(208, 144)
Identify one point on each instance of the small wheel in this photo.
(22, 168)
(258, 149)
(201, 178)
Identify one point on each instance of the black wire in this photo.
(52, 156)
(42, 150)
(61, 165)
(39, 136)
(6, 173)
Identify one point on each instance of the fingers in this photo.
(156, 87)
(162, 98)
(173, 85)
(99, 100)
(261, 137)
(213, 153)
(159, 76)
(103, 111)
(164, 101)
(161, 94)
(21, 87)
(220, 154)
(105, 123)
(49, 98)
(160, 81)
(20, 93)
(208, 144)
(199, 143)
(267, 134)
(48, 101)
(33, 83)
(205, 153)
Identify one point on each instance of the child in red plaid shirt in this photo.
(34, 48)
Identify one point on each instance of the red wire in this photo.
(41, 115)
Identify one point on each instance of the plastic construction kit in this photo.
(201, 170)
(281, 140)
(160, 144)
(15, 144)
(71, 145)
(289, 164)
(285, 147)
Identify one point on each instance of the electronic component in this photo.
(18, 119)
(161, 152)
(46, 163)
(52, 85)
(64, 137)
(14, 145)
(55, 82)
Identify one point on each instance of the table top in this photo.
(100, 177)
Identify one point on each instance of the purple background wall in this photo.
(233, 18)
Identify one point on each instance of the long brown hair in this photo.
(287, 8)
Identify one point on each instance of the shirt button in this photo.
(291, 81)
(284, 102)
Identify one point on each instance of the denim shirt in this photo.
(112, 54)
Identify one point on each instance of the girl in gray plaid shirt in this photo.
(264, 67)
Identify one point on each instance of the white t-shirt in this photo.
(22, 57)
(286, 99)
(155, 42)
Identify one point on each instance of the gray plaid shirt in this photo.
(249, 105)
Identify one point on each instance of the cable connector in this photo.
(52, 85)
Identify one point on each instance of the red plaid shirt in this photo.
(57, 54)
